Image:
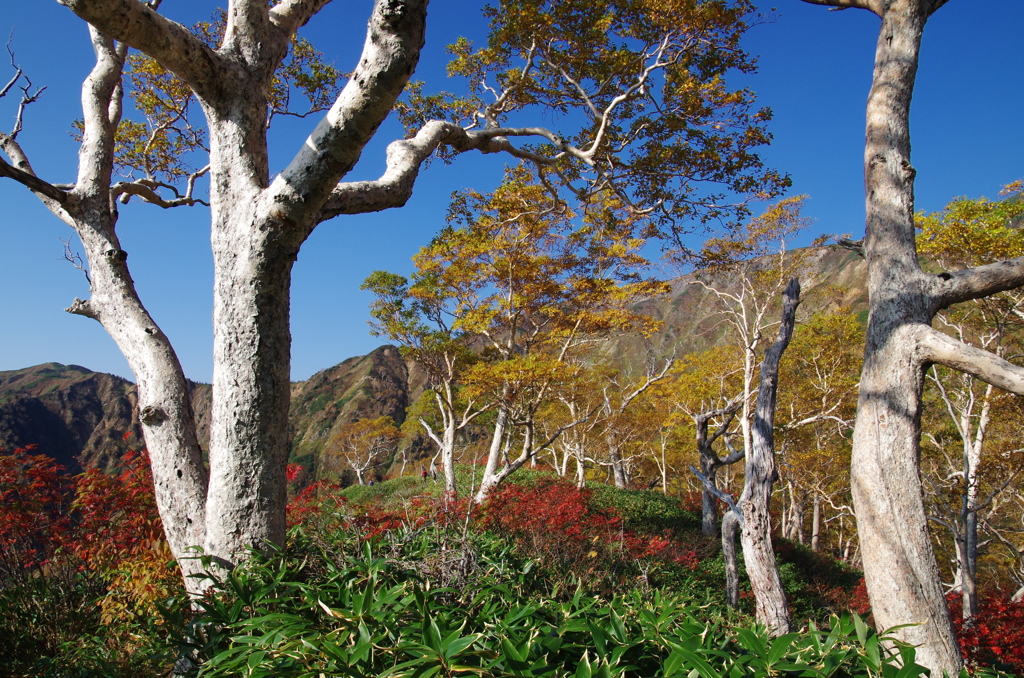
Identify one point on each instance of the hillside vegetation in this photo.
(391, 580)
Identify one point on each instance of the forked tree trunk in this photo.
(710, 461)
(899, 564)
(257, 229)
(756, 536)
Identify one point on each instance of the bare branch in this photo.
(978, 282)
(148, 190)
(847, 4)
(289, 16)
(936, 347)
(404, 159)
(393, 42)
(32, 182)
(724, 496)
(75, 258)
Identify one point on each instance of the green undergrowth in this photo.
(427, 602)
(392, 580)
(816, 585)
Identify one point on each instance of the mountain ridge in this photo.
(81, 417)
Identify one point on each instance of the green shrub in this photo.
(387, 490)
(646, 511)
(374, 613)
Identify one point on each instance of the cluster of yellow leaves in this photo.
(640, 87)
(974, 232)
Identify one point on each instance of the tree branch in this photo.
(390, 54)
(246, 30)
(847, 4)
(32, 182)
(393, 189)
(724, 496)
(138, 25)
(289, 16)
(99, 90)
(936, 347)
(978, 282)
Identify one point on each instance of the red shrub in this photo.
(997, 637)
(557, 520)
(119, 533)
(34, 522)
(319, 502)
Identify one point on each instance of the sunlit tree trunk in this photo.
(758, 554)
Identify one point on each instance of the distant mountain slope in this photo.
(73, 413)
(832, 276)
(378, 384)
(68, 411)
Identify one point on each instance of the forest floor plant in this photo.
(392, 580)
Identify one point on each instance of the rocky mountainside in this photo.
(79, 416)
(378, 384)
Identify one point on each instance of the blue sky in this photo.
(815, 69)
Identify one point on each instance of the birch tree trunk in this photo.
(816, 522)
(900, 570)
(756, 536)
(730, 524)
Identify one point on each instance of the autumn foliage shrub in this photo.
(34, 522)
(996, 639)
(83, 561)
(561, 526)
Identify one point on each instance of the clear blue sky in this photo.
(815, 72)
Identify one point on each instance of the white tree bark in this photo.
(756, 536)
(900, 569)
(257, 229)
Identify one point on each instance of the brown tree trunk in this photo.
(756, 537)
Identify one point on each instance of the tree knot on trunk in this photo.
(116, 255)
(393, 11)
(152, 416)
(908, 171)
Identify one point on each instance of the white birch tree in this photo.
(900, 569)
(631, 136)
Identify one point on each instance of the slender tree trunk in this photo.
(708, 501)
(758, 554)
(972, 460)
(619, 473)
(165, 406)
(816, 522)
(164, 401)
(448, 460)
(730, 525)
(490, 479)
